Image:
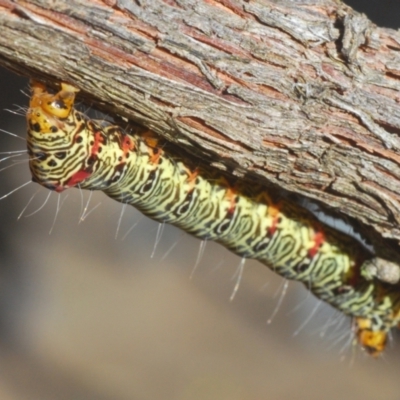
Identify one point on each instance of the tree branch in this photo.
(301, 95)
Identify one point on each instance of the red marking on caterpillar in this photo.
(319, 239)
(75, 179)
(127, 145)
(98, 140)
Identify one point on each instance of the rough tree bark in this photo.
(302, 95)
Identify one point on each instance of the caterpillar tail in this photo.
(67, 149)
(374, 342)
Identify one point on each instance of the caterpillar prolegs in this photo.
(66, 149)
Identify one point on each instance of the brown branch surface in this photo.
(303, 95)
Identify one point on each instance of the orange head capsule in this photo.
(46, 109)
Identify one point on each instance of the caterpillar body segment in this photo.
(66, 149)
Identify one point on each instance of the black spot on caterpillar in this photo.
(66, 149)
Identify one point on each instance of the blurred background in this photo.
(86, 311)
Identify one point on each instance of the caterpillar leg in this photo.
(373, 341)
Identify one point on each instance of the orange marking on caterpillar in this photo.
(153, 148)
(231, 194)
(193, 175)
(150, 139)
(274, 212)
(373, 342)
(191, 179)
(155, 155)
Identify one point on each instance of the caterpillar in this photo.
(66, 149)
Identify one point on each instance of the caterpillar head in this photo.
(58, 143)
